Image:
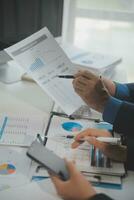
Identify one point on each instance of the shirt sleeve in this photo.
(100, 197)
(110, 111)
(122, 91)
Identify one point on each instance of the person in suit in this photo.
(116, 103)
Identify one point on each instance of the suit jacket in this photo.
(100, 197)
(124, 125)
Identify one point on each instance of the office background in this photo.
(21, 18)
(105, 26)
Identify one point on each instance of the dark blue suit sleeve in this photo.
(124, 120)
(131, 92)
(124, 124)
(100, 197)
(125, 92)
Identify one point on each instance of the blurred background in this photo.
(104, 26)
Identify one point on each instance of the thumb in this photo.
(71, 168)
(56, 180)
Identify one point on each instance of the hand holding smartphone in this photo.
(53, 163)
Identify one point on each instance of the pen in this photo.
(66, 76)
(65, 136)
(109, 140)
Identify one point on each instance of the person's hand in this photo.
(114, 152)
(93, 90)
(76, 188)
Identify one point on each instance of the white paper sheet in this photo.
(14, 167)
(20, 130)
(42, 57)
(30, 191)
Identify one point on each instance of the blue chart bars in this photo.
(38, 63)
(2, 128)
(98, 159)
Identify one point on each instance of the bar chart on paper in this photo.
(3, 126)
(19, 130)
(37, 64)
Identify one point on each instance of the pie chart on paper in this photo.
(72, 126)
(7, 169)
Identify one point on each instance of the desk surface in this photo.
(28, 97)
(126, 193)
(24, 94)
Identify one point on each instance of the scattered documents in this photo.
(89, 161)
(96, 62)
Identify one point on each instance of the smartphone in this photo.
(53, 163)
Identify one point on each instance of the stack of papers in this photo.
(96, 62)
(91, 162)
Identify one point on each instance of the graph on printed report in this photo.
(72, 126)
(7, 169)
(37, 64)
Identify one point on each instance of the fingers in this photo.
(78, 139)
(75, 144)
(71, 168)
(82, 82)
(83, 79)
(93, 132)
(89, 132)
(87, 74)
(57, 181)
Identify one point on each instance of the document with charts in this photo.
(88, 159)
(20, 130)
(42, 57)
(14, 167)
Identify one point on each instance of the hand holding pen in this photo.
(116, 152)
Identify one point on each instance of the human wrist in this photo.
(110, 86)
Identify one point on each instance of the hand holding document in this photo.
(43, 59)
